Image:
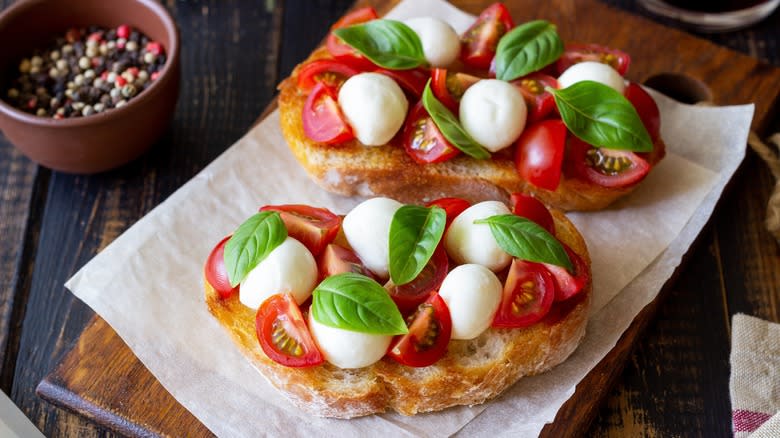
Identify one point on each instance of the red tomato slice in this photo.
(283, 334)
(540, 103)
(575, 53)
(539, 153)
(531, 208)
(567, 284)
(430, 329)
(337, 260)
(408, 296)
(340, 50)
(453, 207)
(412, 81)
(646, 108)
(323, 120)
(479, 42)
(422, 139)
(313, 227)
(605, 167)
(328, 71)
(449, 87)
(215, 271)
(529, 292)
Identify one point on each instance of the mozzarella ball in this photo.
(367, 229)
(493, 112)
(592, 71)
(473, 294)
(289, 268)
(467, 242)
(374, 105)
(441, 44)
(348, 349)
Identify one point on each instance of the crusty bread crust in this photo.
(352, 169)
(470, 373)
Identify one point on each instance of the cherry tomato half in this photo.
(539, 153)
(430, 329)
(422, 139)
(283, 334)
(540, 102)
(313, 227)
(605, 167)
(531, 208)
(408, 296)
(529, 292)
(411, 81)
(215, 271)
(452, 206)
(340, 50)
(575, 53)
(569, 284)
(449, 87)
(323, 120)
(646, 108)
(329, 71)
(336, 259)
(479, 42)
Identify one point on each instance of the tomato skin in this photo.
(336, 259)
(566, 284)
(575, 53)
(215, 271)
(280, 317)
(534, 286)
(540, 102)
(422, 139)
(452, 206)
(316, 71)
(431, 318)
(340, 50)
(323, 120)
(314, 227)
(412, 81)
(448, 87)
(539, 153)
(646, 108)
(531, 208)
(408, 296)
(579, 162)
(479, 42)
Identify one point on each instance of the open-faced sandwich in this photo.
(413, 111)
(401, 307)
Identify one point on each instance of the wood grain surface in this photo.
(234, 52)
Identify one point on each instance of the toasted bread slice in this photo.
(470, 373)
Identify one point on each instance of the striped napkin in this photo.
(755, 377)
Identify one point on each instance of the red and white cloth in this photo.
(755, 377)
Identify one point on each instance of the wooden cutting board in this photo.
(102, 380)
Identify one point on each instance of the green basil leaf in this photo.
(415, 232)
(251, 243)
(387, 43)
(525, 239)
(527, 48)
(450, 127)
(602, 117)
(355, 302)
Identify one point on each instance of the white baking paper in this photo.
(148, 283)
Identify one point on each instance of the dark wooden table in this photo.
(233, 54)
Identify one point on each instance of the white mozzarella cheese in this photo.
(467, 242)
(493, 112)
(441, 44)
(348, 349)
(374, 105)
(289, 268)
(473, 294)
(592, 71)
(367, 229)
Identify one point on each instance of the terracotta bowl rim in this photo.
(149, 94)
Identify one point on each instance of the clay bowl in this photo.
(101, 141)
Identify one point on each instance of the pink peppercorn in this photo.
(120, 82)
(123, 31)
(95, 36)
(154, 75)
(133, 71)
(154, 47)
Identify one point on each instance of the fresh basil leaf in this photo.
(355, 302)
(527, 48)
(525, 239)
(602, 117)
(387, 43)
(415, 232)
(450, 127)
(251, 243)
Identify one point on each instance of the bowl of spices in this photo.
(87, 86)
